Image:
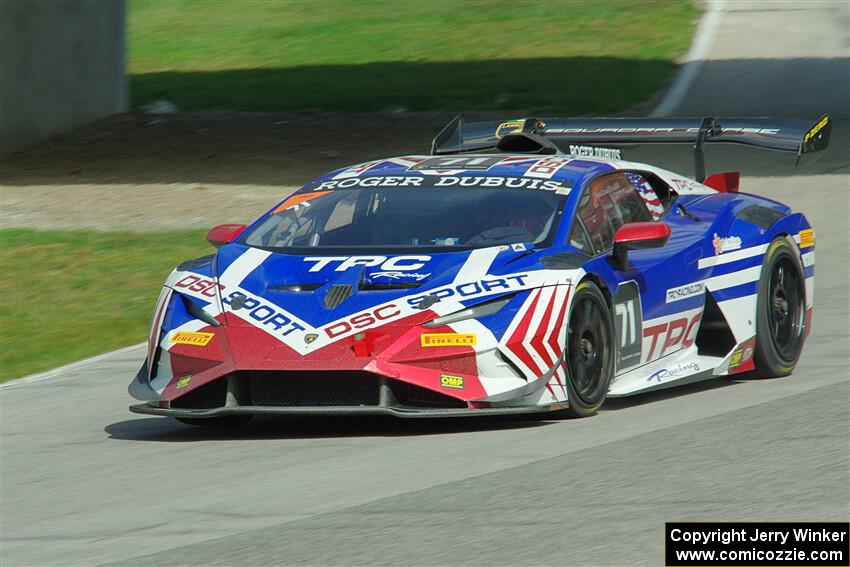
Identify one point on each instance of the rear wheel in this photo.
(223, 422)
(590, 351)
(780, 321)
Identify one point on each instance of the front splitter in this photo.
(405, 412)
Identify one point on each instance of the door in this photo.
(656, 304)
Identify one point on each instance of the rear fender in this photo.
(738, 303)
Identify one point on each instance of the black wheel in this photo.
(781, 317)
(590, 351)
(223, 422)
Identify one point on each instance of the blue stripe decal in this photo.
(742, 264)
(735, 292)
(673, 307)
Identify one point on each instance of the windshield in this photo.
(409, 217)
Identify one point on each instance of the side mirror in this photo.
(224, 234)
(637, 236)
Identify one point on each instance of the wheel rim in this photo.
(588, 349)
(785, 309)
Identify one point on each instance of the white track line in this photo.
(693, 59)
(69, 367)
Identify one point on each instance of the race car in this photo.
(498, 275)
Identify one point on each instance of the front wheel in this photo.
(590, 351)
(780, 322)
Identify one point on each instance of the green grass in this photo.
(67, 295)
(573, 56)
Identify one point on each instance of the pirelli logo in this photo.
(194, 339)
(807, 238)
(447, 339)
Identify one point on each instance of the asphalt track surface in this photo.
(84, 482)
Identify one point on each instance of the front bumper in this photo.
(405, 412)
(321, 393)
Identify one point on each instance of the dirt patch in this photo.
(147, 172)
(187, 170)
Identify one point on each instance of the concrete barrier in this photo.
(61, 65)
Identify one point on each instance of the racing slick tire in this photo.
(781, 310)
(223, 422)
(589, 357)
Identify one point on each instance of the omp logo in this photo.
(452, 381)
(194, 339)
(394, 264)
(447, 339)
(183, 382)
(685, 291)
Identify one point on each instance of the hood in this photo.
(322, 288)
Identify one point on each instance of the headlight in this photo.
(480, 310)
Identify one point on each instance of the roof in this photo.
(559, 167)
(565, 169)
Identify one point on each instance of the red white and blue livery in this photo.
(521, 267)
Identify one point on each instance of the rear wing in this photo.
(540, 135)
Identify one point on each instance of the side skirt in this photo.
(683, 367)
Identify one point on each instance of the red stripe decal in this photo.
(539, 335)
(515, 343)
(555, 336)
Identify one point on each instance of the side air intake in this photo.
(714, 337)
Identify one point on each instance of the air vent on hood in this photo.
(295, 287)
(337, 294)
(564, 261)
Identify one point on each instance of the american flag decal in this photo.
(653, 203)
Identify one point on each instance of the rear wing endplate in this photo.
(540, 135)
